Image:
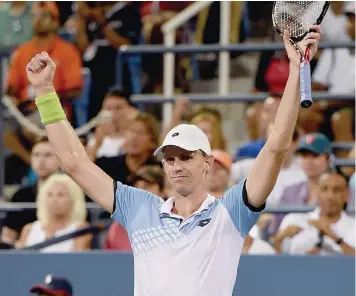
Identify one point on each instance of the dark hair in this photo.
(43, 139)
(117, 91)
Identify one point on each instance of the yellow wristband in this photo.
(50, 108)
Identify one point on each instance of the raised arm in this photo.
(264, 173)
(65, 143)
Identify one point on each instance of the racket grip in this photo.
(305, 85)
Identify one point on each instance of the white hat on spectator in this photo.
(188, 137)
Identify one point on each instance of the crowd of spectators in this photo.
(88, 34)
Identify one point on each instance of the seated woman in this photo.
(60, 210)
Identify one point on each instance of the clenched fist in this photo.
(40, 72)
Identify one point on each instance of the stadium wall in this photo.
(111, 274)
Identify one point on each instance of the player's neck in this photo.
(187, 205)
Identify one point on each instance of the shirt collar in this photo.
(167, 206)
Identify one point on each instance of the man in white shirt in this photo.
(335, 73)
(190, 244)
(325, 231)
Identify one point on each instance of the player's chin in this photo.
(182, 189)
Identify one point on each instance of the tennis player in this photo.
(190, 244)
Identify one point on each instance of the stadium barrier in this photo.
(111, 274)
(281, 209)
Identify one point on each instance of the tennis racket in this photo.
(297, 17)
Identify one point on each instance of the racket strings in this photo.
(297, 17)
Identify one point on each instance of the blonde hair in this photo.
(79, 211)
(213, 117)
(151, 125)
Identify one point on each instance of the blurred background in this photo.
(129, 71)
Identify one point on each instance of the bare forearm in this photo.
(66, 145)
(287, 115)
(265, 171)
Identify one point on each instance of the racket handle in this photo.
(305, 85)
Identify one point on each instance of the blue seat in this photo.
(80, 104)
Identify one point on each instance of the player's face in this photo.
(333, 193)
(313, 165)
(186, 170)
(43, 160)
(218, 177)
(58, 200)
(138, 139)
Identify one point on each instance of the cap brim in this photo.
(307, 149)
(160, 149)
(41, 288)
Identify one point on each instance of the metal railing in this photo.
(168, 77)
(280, 209)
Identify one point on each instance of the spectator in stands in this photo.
(256, 246)
(149, 178)
(315, 158)
(291, 172)
(15, 23)
(207, 119)
(141, 139)
(325, 231)
(68, 78)
(44, 163)
(53, 286)
(265, 117)
(61, 210)
(335, 22)
(109, 138)
(219, 176)
(102, 27)
(335, 73)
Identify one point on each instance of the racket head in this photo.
(288, 15)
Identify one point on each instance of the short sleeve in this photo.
(243, 214)
(129, 201)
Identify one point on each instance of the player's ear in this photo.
(209, 160)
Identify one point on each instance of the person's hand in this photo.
(83, 10)
(322, 226)
(40, 72)
(103, 130)
(98, 16)
(290, 231)
(182, 104)
(311, 39)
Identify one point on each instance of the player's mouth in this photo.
(179, 177)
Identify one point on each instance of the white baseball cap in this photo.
(188, 137)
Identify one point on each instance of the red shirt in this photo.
(117, 239)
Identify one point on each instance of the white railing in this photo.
(169, 33)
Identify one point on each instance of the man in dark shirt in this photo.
(102, 28)
(43, 163)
